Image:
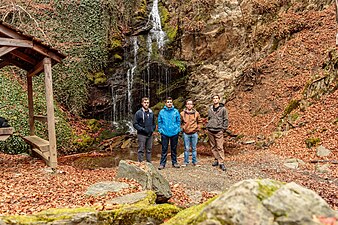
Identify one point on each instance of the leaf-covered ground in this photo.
(26, 186)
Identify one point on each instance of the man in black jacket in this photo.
(144, 123)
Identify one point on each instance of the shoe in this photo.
(222, 167)
(197, 165)
(215, 163)
(176, 165)
(161, 167)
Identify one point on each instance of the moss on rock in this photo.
(266, 190)
(47, 216)
(293, 104)
(143, 211)
(189, 215)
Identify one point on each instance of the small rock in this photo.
(291, 163)
(102, 188)
(249, 142)
(323, 168)
(322, 151)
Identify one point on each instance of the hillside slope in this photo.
(278, 112)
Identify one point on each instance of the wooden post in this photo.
(336, 22)
(30, 105)
(50, 112)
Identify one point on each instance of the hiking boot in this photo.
(176, 165)
(215, 163)
(161, 167)
(222, 167)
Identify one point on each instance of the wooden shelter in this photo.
(35, 57)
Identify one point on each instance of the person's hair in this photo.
(189, 100)
(215, 96)
(169, 98)
(144, 99)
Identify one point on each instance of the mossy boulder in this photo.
(51, 216)
(144, 211)
(259, 202)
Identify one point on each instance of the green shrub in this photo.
(14, 107)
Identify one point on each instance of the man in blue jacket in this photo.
(169, 126)
(144, 123)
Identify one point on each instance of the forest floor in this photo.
(29, 186)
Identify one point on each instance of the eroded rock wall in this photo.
(223, 39)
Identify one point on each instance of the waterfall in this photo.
(156, 31)
(157, 34)
(130, 74)
(150, 50)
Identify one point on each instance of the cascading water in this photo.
(157, 34)
(130, 74)
(156, 31)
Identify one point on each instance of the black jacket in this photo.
(217, 118)
(144, 122)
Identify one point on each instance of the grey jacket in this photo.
(217, 121)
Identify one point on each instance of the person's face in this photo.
(215, 100)
(145, 104)
(189, 105)
(169, 103)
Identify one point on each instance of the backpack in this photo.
(4, 122)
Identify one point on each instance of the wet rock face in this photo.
(234, 36)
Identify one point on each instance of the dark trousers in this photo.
(173, 146)
(144, 142)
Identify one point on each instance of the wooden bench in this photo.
(6, 132)
(37, 142)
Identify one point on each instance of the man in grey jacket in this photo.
(216, 126)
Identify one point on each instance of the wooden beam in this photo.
(9, 32)
(16, 42)
(30, 106)
(42, 50)
(50, 112)
(6, 130)
(40, 118)
(18, 64)
(24, 57)
(38, 68)
(4, 63)
(4, 50)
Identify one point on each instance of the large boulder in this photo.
(146, 175)
(264, 202)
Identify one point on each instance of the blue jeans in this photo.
(173, 146)
(190, 140)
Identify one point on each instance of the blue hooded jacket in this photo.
(169, 121)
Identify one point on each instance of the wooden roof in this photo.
(24, 51)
